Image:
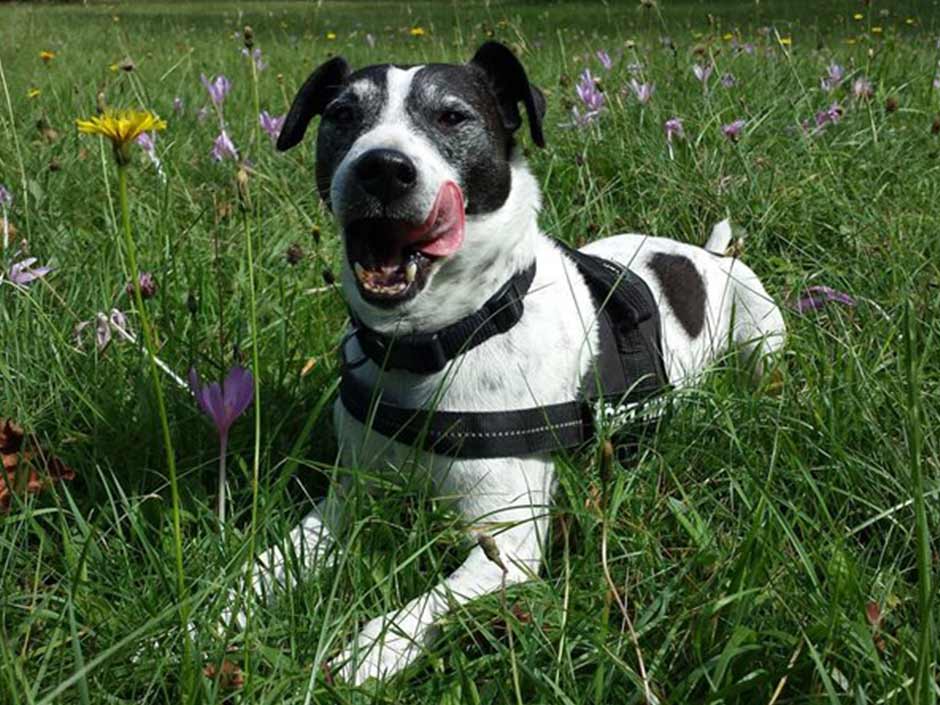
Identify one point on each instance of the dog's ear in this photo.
(316, 93)
(512, 86)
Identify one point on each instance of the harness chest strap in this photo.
(627, 370)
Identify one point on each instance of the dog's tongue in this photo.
(442, 233)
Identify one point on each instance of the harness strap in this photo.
(627, 370)
(472, 434)
(424, 353)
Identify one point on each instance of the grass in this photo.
(771, 545)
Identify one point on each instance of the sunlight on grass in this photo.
(767, 546)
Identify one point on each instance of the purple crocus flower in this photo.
(271, 124)
(147, 142)
(23, 272)
(674, 128)
(733, 129)
(589, 93)
(831, 114)
(605, 59)
(223, 404)
(217, 88)
(815, 297)
(6, 197)
(148, 286)
(702, 72)
(255, 54)
(728, 80)
(834, 76)
(178, 105)
(223, 147)
(642, 91)
(862, 88)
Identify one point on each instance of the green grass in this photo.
(749, 537)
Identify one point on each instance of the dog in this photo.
(422, 171)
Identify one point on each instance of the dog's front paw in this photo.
(383, 648)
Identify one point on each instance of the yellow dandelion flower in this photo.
(786, 41)
(910, 20)
(47, 56)
(858, 16)
(728, 36)
(417, 31)
(114, 68)
(33, 93)
(876, 30)
(331, 36)
(850, 40)
(121, 127)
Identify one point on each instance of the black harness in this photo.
(627, 370)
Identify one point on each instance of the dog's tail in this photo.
(720, 239)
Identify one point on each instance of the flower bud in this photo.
(491, 550)
(148, 286)
(249, 35)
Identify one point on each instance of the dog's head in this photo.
(412, 160)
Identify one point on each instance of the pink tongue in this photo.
(443, 230)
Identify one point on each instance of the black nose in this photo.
(386, 174)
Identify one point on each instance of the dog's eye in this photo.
(451, 118)
(341, 114)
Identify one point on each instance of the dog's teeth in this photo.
(360, 271)
(411, 271)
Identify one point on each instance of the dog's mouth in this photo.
(392, 259)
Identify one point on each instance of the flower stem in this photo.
(256, 455)
(223, 453)
(149, 343)
(257, 100)
(924, 677)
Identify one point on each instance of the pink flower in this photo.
(702, 72)
(217, 88)
(270, 124)
(224, 148)
(589, 93)
(23, 272)
(642, 91)
(834, 76)
(815, 297)
(733, 129)
(862, 88)
(674, 128)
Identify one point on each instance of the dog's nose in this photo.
(386, 174)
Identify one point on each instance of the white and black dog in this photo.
(438, 210)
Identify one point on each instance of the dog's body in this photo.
(421, 283)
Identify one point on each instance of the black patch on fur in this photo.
(334, 139)
(479, 147)
(684, 289)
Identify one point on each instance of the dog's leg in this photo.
(510, 503)
(305, 547)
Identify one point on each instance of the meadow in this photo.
(775, 544)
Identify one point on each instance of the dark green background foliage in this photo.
(754, 530)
